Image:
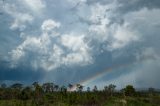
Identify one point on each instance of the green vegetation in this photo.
(50, 94)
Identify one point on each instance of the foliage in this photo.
(129, 90)
(50, 94)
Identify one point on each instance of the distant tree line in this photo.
(52, 93)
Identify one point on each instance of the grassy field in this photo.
(111, 101)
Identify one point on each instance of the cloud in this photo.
(69, 50)
(76, 48)
(144, 74)
(136, 5)
(17, 54)
(20, 19)
(79, 35)
(102, 2)
(80, 51)
(99, 18)
(75, 2)
(35, 5)
(114, 35)
(143, 17)
(137, 31)
(122, 37)
(49, 25)
(74, 42)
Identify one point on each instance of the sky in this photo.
(91, 42)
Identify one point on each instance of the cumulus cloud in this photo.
(122, 37)
(49, 25)
(74, 42)
(102, 29)
(35, 5)
(74, 46)
(80, 50)
(69, 50)
(17, 54)
(20, 19)
(89, 33)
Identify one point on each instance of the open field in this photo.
(113, 101)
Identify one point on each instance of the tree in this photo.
(111, 89)
(63, 89)
(38, 94)
(48, 87)
(3, 85)
(51, 86)
(3, 93)
(88, 89)
(79, 87)
(17, 86)
(70, 86)
(106, 88)
(35, 84)
(151, 91)
(15, 90)
(26, 93)
(95, 89)
(56, 87)
(38, 91)
(129, 90)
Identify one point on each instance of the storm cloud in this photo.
(67, 41)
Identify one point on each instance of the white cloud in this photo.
(78, 53)
(70, 49)
(100, 19)
(49, 25)
(78, 58)
(98, 12)
(20, 19)
(28, 45)
(73, 58)
(101, 30)
(80, 50)
(145, 72)
(35, 5)
(17, 54)
(75, 2)
(73, 48)
(122, 36)
(95, 24)
(145, 16)
(74, 42)
(54, 59)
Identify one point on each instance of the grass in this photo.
(112, 101)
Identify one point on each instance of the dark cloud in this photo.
(25, 74)
(75, 18)
(135, 5)
(129, 5)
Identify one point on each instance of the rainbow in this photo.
(100, 74)
(97, 75)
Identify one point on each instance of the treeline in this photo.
(50, 93)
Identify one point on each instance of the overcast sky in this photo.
(91, 42)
